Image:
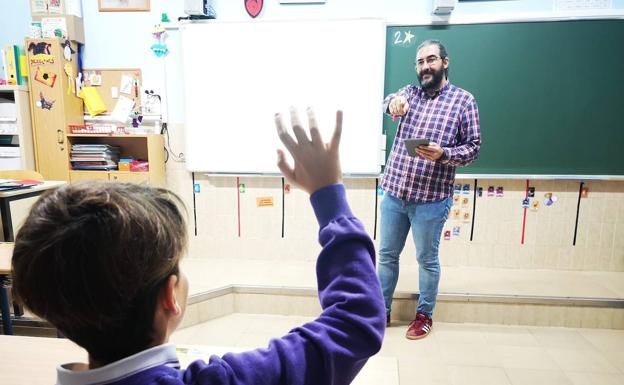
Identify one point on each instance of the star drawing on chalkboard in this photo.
(408, 37)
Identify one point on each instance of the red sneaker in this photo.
(419, 327)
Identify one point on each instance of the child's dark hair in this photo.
(91, 258)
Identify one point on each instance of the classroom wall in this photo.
(497, 232)
(15, 16)
(498, 220)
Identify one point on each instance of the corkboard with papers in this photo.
(113, 83)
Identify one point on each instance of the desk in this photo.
(14, 207)
(33, 360)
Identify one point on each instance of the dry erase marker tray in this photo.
(97, 129)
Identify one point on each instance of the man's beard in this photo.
(434, 82)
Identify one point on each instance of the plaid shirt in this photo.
(452, 120)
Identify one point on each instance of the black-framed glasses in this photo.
(430, 60)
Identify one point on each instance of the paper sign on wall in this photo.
(126, 84)
(122, 109)
(264, 201)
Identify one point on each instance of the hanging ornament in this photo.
(253, 7)
(69, 71)
(68, 51)
(159, 47)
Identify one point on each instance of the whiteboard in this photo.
(237, 75)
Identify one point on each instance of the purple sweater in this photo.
(329, 350)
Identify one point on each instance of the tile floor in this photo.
(455, 354)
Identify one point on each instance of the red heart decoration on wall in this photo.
(253, 7)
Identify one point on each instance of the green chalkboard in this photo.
(550, 94)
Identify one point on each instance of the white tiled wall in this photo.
(497, 233)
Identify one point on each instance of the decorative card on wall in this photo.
(254, 7)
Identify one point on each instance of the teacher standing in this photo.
(419, 189)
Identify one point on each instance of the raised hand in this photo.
(317, 164)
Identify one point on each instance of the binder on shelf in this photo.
(11, 65)
(17, 58)
(5, 73)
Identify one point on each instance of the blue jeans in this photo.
(426, 221)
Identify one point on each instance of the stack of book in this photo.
(12, 184)
(94, 157)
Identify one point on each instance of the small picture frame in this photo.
(123, 5)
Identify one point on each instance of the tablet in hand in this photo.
(412, 143)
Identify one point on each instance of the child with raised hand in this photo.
(100, 261)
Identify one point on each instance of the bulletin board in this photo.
(110, 79)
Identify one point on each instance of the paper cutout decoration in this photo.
(151, 103)
(35, 30)
(456, 213)
(159, 47)
(456, 230)
(584, 192)
(466, 189)
(46, 77)
(69, 71)
(43, 103)
(491, 191)
(68, 51)
(79, 83)
(137, 119)
(550, 199)
(125, 86)
(525, 203)
(254, 7)
(535, 205)
(480, 192)
(531, 192)
(465, 201)
(94, 78)
(447, 235)
(500, 191)
(241, 188)
(39, 48)
(93, 101)
(466, 216)
(122, 109)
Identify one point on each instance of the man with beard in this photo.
(419, 189)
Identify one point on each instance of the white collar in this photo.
(159, 355)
